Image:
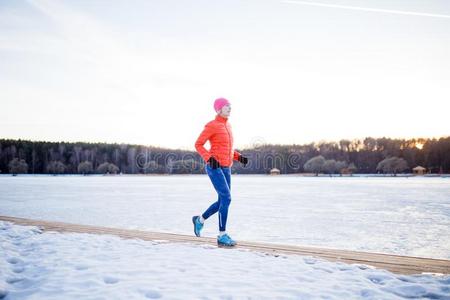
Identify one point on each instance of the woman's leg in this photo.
(211, 210)
(220, 179)
(227, 174)
(224, 202)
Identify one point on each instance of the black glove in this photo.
(213, 163)
(243, 160)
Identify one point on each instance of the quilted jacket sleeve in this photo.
(204, 136)
(236, 155)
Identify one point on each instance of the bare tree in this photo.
(85, 168)
(17, 166)
(77, 151)
(131, 156)
(113, 169)
(315, 164)
(392, 165)
(56, 167)
(329, 166)
(340, 166)
(107, 168)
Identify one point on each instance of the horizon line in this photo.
(320, 141)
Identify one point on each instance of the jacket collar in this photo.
(221, 119)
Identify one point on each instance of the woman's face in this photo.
(225, 111)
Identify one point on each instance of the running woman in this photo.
(219, 161)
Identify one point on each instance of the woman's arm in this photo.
(236, 155)
(242, 159)
(201, 140)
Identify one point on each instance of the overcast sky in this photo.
(147, 72)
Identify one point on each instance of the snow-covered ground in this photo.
(49, 265)
(408, 216)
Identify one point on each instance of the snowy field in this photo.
(407, 216)
(48, 265)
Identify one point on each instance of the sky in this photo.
(295, 72)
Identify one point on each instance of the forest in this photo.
(359, 156)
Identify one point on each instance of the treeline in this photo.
(363, 156)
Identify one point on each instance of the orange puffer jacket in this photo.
(220, 137)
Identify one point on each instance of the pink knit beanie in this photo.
(219, 103)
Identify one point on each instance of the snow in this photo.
(50, 265)
(406, 216)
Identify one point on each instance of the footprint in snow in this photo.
(368, 293)
(410, 291)
(344, 268)
(110, 280)
(152, 294)
(14, 260)
(37, 230)
(377, 279)
(310, 261)
(405, 279)
(12, 280)
(445, 281)
(362, 267)
(81, 267)
(24, 253)
(18, 269)
(3, 293)
(324, 269)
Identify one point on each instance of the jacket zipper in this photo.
(229, 140)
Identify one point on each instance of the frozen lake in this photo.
(409, 216)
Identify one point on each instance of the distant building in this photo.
(275, 171)
(419, 170)
(345, 171)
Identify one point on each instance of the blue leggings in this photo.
(221, 180)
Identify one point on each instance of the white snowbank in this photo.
(48, 265)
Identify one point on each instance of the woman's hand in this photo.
(213, 163)
(243, 160)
